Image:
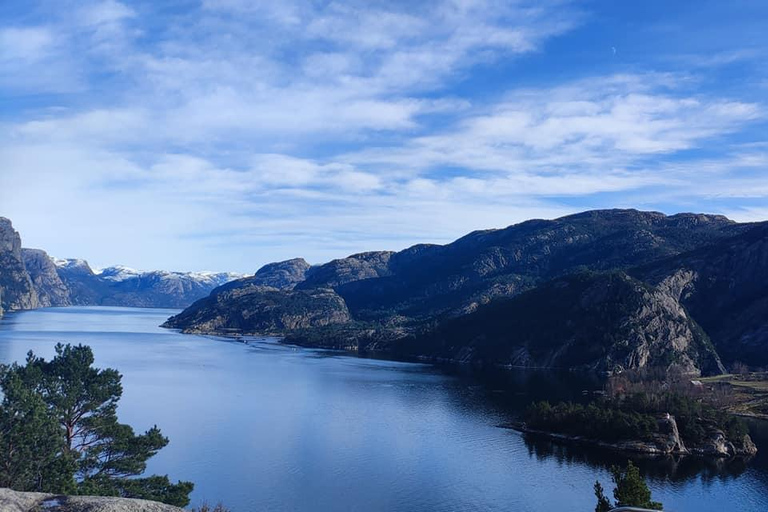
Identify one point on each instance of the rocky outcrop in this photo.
(50, 289)
(724, 286)
(667, 441)
(261, 310)
(591, 321)
(14, 501)
(367, 265)
(283, 275)
(16, 288)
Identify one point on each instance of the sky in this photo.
(225, 134)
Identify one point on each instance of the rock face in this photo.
(392, 298)
(592, 321)
(16, 288)
(261, 310)
(283, 275)
(725, 287)
(30, 279)
(14, 501)
(51, 291)
(354, 268)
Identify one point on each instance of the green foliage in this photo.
(631, 489)
(32, 452)
(155, 487)
(603, 503)
(207, 508)
(60, 432)
(594, 421)
(634, 417)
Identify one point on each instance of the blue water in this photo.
(266, 427)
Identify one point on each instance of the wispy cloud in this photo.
(230, 133)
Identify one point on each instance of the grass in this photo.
(750, 392)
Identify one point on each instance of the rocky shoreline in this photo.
(668, 442)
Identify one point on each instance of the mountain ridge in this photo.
(30, 279)
(389, 300)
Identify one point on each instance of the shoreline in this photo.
(630, 447)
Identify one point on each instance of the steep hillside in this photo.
(592, 321)
(261, 310)
(724, 286)
(30, 279)
(458, 277)
(389, 295)
(122, 286)
(16, 288)
(50, 289)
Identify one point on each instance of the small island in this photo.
(674, 416)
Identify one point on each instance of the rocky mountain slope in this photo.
(51, 290)
(724, 286)
(597, 321)
(16, 288)
(405, 301)
(122, 286)
(30, 278)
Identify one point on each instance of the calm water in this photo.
(268, 427)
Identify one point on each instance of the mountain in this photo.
(724, 286)
(30, 278)
(411, 302)
(597, 321)
(51, 290)
(16, 288)
(123, 286)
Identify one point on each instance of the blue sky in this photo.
(224, 134)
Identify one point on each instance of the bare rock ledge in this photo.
(14, 501)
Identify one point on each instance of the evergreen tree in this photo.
(32, 452)
(631, 489)
(603, 503)
(72, 408)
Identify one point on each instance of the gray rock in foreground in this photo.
(14, 501)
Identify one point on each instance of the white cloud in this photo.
(249, 131)
(25, 44)
(106, 12)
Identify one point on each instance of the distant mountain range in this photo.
(596, 290)
(30, 279)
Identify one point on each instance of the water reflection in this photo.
(269, 427)
(668, 468)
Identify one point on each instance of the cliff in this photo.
(16, 288)
(30, 279)
(725, 287)
(50, 289)
(596, 321)
(14, 501)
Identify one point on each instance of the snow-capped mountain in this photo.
(124, 286)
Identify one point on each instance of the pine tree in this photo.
(603, 503)
(32, 452)
(61, 415)
(631, 489)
